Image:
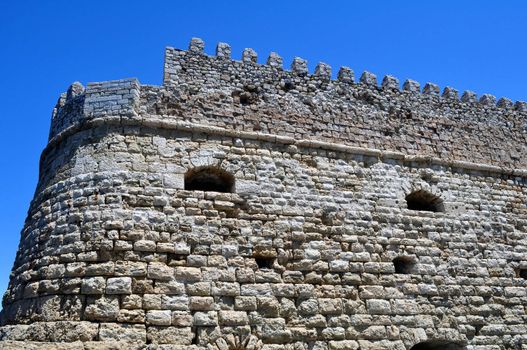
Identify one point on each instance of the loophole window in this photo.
(437, 345)
(424, 201)
(264, 263)
(403, 265)
(209, 179)
(521, 273)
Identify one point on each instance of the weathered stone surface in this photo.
(159, 317)
(119, 285)
(93, 285)
(105, 308)
(241, 202)
(122, 332)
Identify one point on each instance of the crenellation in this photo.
(197, 46)
(431, 89)
(346, 75)
(487, 100)
(299, 67)
(323, 71)
(240, 203)
(74, 90)
(520, 106)
(390, 82)
(249, 56)
(450, 93)
(368, 78)
(412, 86)
(274, 60)
(469, 97)
(223, 50)
(506, 103)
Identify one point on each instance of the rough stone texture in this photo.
(117, 254)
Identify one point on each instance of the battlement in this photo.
(242, 71)
(117, 97)
(244, 95)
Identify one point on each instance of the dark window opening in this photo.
(209, 179)
(244, 99)
(424, 201)
(195, 339)
(521, 273)
(264, 263)
(225, 302)
(437, 345)
(403, 265)
(288, 85)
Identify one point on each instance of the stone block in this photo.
(159, 317)
(122, 332)
(93, 285)
(119, 285)
(160, 271)
(233, 318)
(206, 318)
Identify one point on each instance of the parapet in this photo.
(416, 119)
(223, 70)
(108, 98)
(243, 95)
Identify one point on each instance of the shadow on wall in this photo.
(437, 345)
(209, 178)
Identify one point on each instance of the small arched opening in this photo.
(403, 265)
(209, 178)
(521, 273)
(424, 201)
(437, 345)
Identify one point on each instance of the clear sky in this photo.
(46, 45)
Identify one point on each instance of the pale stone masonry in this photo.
(241, 203)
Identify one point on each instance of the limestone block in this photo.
(182, 319)
(132, 301)
(159, 317)
(273, 330)
(105, 308)
(233, 318)
(122, 332)
(330, 306)
(374, 333)
(308, 307)
(188, 274)
(131, 316)
(206, 318)
(119, 285)
(246, 303)
(160, 271)
(201, 303)
(170, 335)
(174, 302)
(93, 285)
(378, 307)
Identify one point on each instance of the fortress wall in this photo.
(301, 254)
(244, 95)
(117, 250)
(109, 98)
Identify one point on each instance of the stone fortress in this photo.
(243, 206)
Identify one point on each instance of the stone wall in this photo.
(300, 256)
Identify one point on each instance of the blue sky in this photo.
(46, 45)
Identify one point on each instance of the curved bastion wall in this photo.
(350, 216)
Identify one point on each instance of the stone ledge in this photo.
(161, 122)
(92, 345)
